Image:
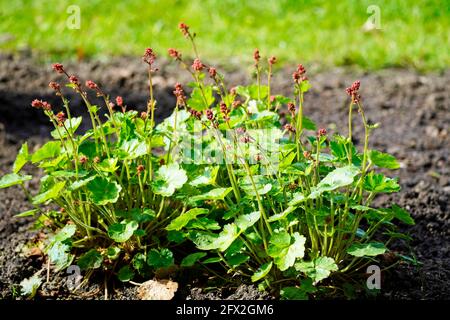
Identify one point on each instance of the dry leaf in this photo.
(157, 290)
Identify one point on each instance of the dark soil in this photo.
(413, 109)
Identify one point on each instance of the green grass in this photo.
(413, 33)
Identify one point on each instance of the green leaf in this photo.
(377, 182)
(121, 232)
(337, 178)
(90, 260)
(318, 269)
(281, 215)
(402, 215)
(182, 220)
(143, 215)
(305, 86)
(139, 262)
(226, 237)
(108, 165)
(237, 259)
(22, 158)
(297, 198)
(132, 149)
(51, 149)
(278, 242)
(366, 249)
(262, 271)
(59, 248)
(59, 255)
(28, 213)
(191, 259)
(383, 160)
(285, 250)
(80, 183)
(245, 221)
(212, 260)
(102, 191)
(295, 250)
(214, 195)
(30, 286)
(52, 193)
(252, 91)
(125, 274)
(113, 253)
(201, 100)
(203, 223)
(70, 124)
(65, 233)
(262, 184)
(293, 293)
(12, 179)
(208, 177)
(308, 124)
(169, 178)
(160, 259)
(209, 241)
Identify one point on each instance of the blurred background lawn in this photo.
(413, 33)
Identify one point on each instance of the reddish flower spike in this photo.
(184, 28)
(58, 67)
(197, 65)
(119, 101)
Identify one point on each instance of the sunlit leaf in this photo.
(366, 249)
(22, 158)
(12, 179)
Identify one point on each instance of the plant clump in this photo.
(288, 207)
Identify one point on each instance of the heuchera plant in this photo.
(283, 206)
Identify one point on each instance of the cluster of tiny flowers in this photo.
(240, 130)
(60, 118)
(291, 107)
(174, 54)
(119, 101)
(179, 94)
(212, 72)
(321, 132)
(55, 86)
(299, 74)
(272, 60)
(210, 117)
(352, 91)
(91, 85)
(83, 159)
(149, 56)
(307, 154)
(73, 79)
(184, 28)
(144, 115)
(196, 114)
(256, 56)
(289, 128)
(58, 67)
(39, 104)
(245, 138)
(197, 65)
(225, 111)
(140, 168)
